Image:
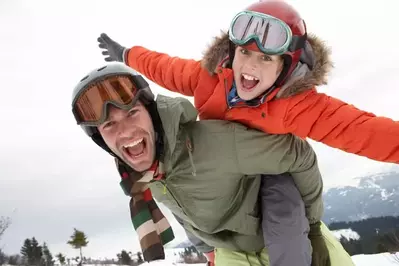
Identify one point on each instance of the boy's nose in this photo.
(253, 63)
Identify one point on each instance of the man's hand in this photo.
(320, 255)
(114, 50)
(211, 258)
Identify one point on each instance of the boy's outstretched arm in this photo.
(343, 126)
(173, 73)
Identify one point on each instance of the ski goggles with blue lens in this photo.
(272, 36)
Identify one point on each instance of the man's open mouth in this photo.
(135, 148)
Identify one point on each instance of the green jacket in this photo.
(213, 172)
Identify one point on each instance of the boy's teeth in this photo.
(248, 77)
(134, 143)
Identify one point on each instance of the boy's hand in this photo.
(320, 255)
(114, 50)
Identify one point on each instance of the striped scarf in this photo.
(150, 224)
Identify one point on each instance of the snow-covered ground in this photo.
(383, 259)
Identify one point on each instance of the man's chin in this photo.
(139, 164)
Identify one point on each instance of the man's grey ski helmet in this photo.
(143, 94)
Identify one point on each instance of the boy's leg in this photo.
(338, 255)
(226, 257)
(284, 223)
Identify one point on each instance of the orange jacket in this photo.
(295, 108)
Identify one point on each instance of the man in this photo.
(206, 172)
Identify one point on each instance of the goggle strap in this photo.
(297, 43)
(140, 82)
(231, 54)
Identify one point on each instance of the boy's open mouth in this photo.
(249, 82)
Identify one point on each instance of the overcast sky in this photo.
(53, 178)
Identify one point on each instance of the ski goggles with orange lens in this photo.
(89, 107)
(272, 36)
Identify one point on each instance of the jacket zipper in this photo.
(166, 189)
(227, 94)
(227, 98)
(163, 181)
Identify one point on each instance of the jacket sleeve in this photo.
(173, 73)
(343, 126)
(261, 153)
(199, 244)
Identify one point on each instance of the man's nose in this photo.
(124, 128)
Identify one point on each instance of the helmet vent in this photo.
(101, 68)
(84, 78)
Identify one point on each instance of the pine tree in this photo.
(3, 257)
(15, 260)
(124, 258)
(37, 252)
(32, 252)
(78, 240)
(47, 256)
(61, 258)
(27, 251)
(139, 257)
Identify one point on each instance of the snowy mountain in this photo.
(184, 244)
(375, 195)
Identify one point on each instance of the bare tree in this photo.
(391, 243)
(4, 224)
(395, 251)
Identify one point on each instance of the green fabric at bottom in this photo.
(225, 257)
(338, 255)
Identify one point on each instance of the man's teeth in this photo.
(134, 143)
(248, 77)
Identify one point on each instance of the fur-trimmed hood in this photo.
(301, 79)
